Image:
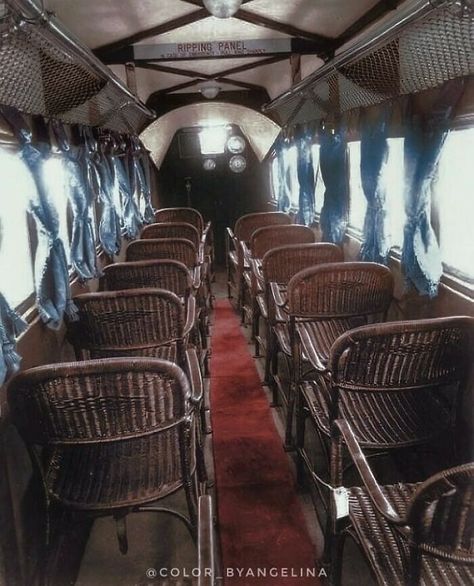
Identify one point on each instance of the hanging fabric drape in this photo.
(103, 180)
(424, 139)
(11, 326)
(333, 163)
(373, 161)
(81, 197)
(305, 173)
(122, 159)
(282, 179)
(53, 293)
(142, 171)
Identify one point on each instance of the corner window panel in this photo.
(56, 180)
(17, 188)
(320, 188)
(395, 182)
(455, 201)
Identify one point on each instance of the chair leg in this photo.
(268, 352)
(300, 435)
(274, 370)
(336, 549)
(289, 443)
(121, 526)
(256, 329)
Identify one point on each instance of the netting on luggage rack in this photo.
(423, 55)
(39, 75)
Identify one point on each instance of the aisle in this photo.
(261, 523)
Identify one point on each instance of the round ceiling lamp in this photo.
(209, 89)
(222, 8)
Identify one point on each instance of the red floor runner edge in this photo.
(263, 534)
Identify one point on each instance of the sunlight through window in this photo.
(55, 178)
(213, 140)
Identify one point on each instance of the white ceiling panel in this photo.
(327, 17)
(98, 22)
(276, 77)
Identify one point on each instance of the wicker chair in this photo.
(415, 534)
(322, 303)
(278, 266)
(172, 276)
(261, 241)
(173, 230)
(179, 249)
(398, 385)
(243, 230)
(147, 322)
(193, 217)
(109, 437)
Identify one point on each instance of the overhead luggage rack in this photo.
(420, 46)
(45, 71)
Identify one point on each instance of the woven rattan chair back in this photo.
(441, 516)
(134, 322)
(246, 225)
(341, 290)
(268, 237)
(114, 435)
(172, 230)
(415, 354)
(281, 263)
(165, 274)
(186, 215)
(178, 249)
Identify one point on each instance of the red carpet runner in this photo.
(263, 534)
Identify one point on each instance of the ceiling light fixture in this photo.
(209, 89)
(222, 8)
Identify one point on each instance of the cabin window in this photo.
(56, 180)
(290, 157)
(213, 140)
(394, 182)
(16, 265)
(320, 188)
(358, 203)
(455, 202)
(274, 178)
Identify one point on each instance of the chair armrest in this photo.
(257, 277)
(277, 296)
(342, 428)
(190, 315)
(197, 278)
(207, 227)
(206, 557)
(194, 375)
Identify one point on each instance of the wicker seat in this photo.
(179, 249)
(115, 436)
(173, 230)
(166, 274)
(409, 533)
(243, 230)
(193, 217)
(278, 266)
(323, 302)
(397, 384)
(261, 241)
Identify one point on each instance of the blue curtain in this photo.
(283, 199)
(424, 139)
(103, 181)
(305, 170)
(122, 159)
(141, 164)
(333, 162)
(373, 162)
(81, 196)
(11, 326)
(53, 294)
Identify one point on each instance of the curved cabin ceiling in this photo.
(259, 130)
(121, 31)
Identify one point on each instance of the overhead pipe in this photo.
(409, 12)
(32, 12)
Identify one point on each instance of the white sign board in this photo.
(201, 50)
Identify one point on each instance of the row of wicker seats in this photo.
(370, 386)
(121, 428)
